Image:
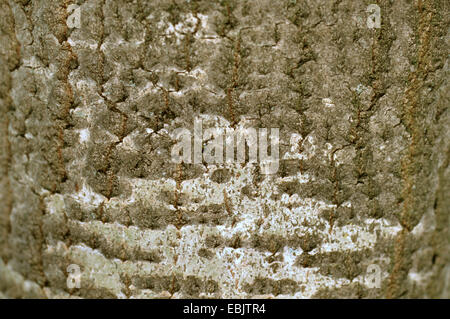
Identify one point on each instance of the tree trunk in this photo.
(91, 92)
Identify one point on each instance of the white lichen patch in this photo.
(266, 213)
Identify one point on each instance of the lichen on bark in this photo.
(86, 178)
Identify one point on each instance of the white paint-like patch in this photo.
(29, 136)
(83, 44)
(328, 102)
(84, 135)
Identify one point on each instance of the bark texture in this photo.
(86, 178)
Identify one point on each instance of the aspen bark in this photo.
(91, 90)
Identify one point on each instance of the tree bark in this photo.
(90, 195)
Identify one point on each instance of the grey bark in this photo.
(86, 178)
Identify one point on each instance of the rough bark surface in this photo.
(86, 176)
